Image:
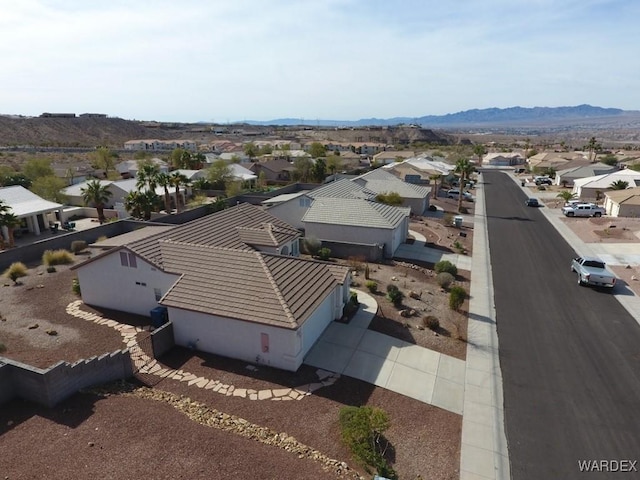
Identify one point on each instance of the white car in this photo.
(455, 193)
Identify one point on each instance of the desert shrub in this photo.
(51, 269)
(372, 286)
(433, 208)
(457, 296)
(446, 266)
(356, 263)
(431, 322)
(353, 297)
(78, 246)
(367, 272)
(463, 209)
(56, 257)
(15, 271)
(447, 218)
(362, 430)
(75, 286)
(324, 254)
(2, 348)
(101, 238)
(394, 295)
(445, 279)
(312, 245)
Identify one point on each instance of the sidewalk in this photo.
(483, 453)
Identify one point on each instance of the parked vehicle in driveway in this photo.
(455, 193)
(543, 181)
(593, 271)
(583, 210)
(532, 202)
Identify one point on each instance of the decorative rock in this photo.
(53, 333)
(31, 327)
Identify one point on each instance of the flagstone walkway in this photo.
(147, 365)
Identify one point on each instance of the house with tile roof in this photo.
(381, 181)
(568, 175)
(357, 221)
(590, 188)
(231, 282)
(623, 203)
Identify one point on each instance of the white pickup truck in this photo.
(583, 210)
(593, 271)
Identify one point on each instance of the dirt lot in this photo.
(119, 436)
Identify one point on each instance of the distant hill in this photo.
(488, 116)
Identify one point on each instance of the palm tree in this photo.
(178, 179)
(147, 176)
(141, 204)
(11, 221)
(619, 185)
(465, 169)
(435, 177)
(164, 180)
(97, 194)
(566, 195)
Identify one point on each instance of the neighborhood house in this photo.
(231, 282)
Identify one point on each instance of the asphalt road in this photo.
(570, 355)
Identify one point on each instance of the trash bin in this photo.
(159, 316)
(522, 183)
(457, 221)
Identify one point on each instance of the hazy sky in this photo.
(232, 60)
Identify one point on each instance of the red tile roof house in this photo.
(231, 282)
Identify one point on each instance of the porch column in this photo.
(36, 225)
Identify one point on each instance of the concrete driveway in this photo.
(416, 372)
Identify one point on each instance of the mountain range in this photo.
(520, 116)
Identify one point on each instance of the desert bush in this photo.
(51, 269)
(372, 286)
(367, 272)
(56, 257)
(446, 266)
(324, 254)
(353, 297)
(101, 238)
(78, 246)
(75, 286)
(445, 279)
(2, 348)
(457, 296)
(394, 295)
(447, 218)
(362, 430)
(15, 271)
(431, 322)
(463, 209)
(433, 208)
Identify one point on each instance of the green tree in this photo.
(619, 185)
(176, 157)
(9, 220)
(319, 170)
(362, 431)
(37, 168)
(593, 147)
(50, 187)
(105, 160)
(15, 178)
(457, 295)
(464, 168)
(219, 174)
(250, 150)
(317, 150)
(302, 169)
(389, 198)
(609, 159)
(96, 194)
(334, 164)
(178, 180)
(479, 151)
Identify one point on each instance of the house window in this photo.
(128, 260)
(264, 340)
(157, 293)
(305, 202)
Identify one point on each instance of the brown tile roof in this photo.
(237, 227)
(245, 285)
